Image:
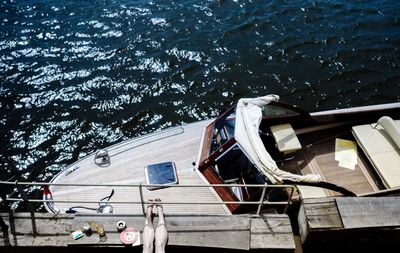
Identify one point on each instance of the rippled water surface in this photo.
(79, 75)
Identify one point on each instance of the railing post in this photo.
(3, 225)
(4, 228)
(24, 196)
(141, 198)
(261, 200)
(289, 200)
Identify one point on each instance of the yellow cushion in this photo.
(285, 138)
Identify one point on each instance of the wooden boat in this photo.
(262, 141)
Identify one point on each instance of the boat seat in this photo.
(310, 192)
(391, 129)
(285, 138)
(381, 144)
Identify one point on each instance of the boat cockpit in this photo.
(230, 153)
(264, 141)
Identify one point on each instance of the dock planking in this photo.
(369, 212)
(52, 230)
(209, 231)
(272, 231)
(236, 233)
(358, 223)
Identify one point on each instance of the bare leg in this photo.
(148, 231)
(161, 231)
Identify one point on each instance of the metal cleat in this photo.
(102, 158)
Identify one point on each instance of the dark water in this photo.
(79, 75)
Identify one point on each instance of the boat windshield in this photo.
(274, 110)
(224, 130)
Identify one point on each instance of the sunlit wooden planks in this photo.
(128, 160)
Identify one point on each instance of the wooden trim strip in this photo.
(224, 192)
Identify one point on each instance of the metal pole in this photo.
(4, 228)
(3, 225)
(141, 198)
(261, 200)
(145, 185)
(289, 200)
(216, 202)
(24, 196)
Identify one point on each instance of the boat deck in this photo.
(318, 157)
(128, 160)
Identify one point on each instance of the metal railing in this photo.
(260, 202)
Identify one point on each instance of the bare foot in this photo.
(150, 205)
(157, 202)
(159, 206)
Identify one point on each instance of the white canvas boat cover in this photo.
(247, 123)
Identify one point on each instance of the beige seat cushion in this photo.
(285, 138)
(391, 129)
(389, 167)
(309, 192)
(381, 150)
(375, 140)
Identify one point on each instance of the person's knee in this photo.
(147, 246)
(161, 244)
(160, 247)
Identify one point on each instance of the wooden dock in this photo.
(216, 233)
(334, 224)
(368, 224)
